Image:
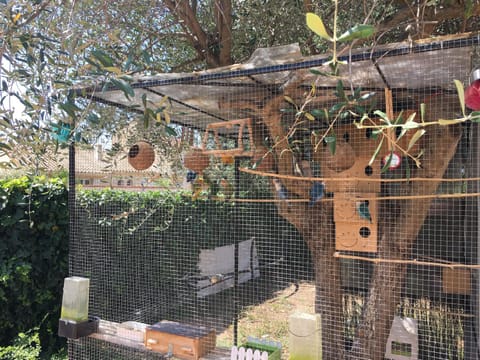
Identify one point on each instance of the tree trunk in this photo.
(397, 242)
(317, 228)
(328, 284)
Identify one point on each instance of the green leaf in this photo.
(319, 113)
(318, 72)
(70, 108)
(315, 23)
(387, 163)
(113, 69)
(415, 138)
(124, 86)
(410, 124)
(366, 96)
(5, 146)
(103, 57)
(375, 154)
(361, 31)
(331, 141)
(382, 115)
(475, 116)
(309, 116)
(461, 95)
(170, 131)
(93, 118)
(423, 109)
(289, 100)
(336, 107)
(340, 92)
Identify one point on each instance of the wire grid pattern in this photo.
(358, 271)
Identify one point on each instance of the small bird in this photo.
(191, 176)
(363, 210)
(280, 189)
(317, 192)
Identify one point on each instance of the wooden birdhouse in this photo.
(196, 160)
(141, 155)
(356, 222)
(241, 129)
(349, 168)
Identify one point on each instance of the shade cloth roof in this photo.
(199, 98)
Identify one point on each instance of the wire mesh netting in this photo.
(330, 210)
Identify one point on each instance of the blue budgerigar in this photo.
(363, 210)
(317, 191)
(191, 176)
(280, 189)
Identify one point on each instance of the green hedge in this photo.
(146, 244)
(161, 232)
(33, 257)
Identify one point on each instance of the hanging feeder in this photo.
(196, 160)
(141, 155)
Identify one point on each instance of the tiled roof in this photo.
(92, 161)
(95, 162)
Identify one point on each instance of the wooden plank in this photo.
(108, 331)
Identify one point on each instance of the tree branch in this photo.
(197, 36)
(223, 19)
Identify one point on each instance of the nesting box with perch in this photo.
(355, 216)
(141, 155)
(241, 128)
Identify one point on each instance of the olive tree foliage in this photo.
(47, 47)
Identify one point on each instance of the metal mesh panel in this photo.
(386, 255)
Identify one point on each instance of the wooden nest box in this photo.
(141, 155)
(183, 341)
(356, 221)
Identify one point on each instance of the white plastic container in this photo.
(305, 340)
(75, 299)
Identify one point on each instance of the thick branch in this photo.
(198, 38)
(223, 19)
(426, 22)
(397, 242)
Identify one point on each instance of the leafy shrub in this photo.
(33, 257)
(25, 347)
(161, 232)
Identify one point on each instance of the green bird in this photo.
(363, 210)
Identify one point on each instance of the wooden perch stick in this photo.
(352, 179)
(412, 262)
(399, 197)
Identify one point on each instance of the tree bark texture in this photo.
(397, 241)
(398, 229)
